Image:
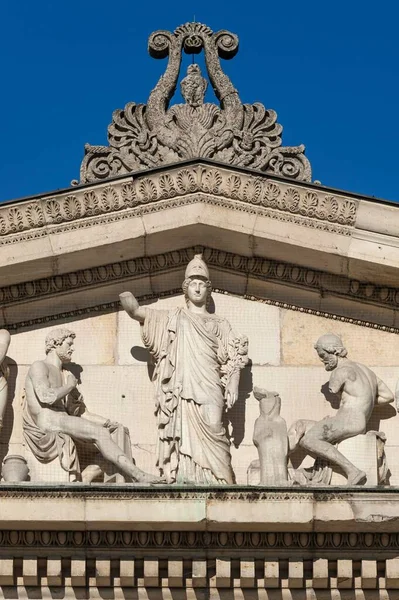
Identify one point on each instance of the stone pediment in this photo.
(289, 261)
(352, 240)
(143, 136)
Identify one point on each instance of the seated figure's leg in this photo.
(297, 431)
(83, 430)
(319, 440)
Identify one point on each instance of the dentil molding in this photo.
(254, 267)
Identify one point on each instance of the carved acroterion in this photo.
(144, 136)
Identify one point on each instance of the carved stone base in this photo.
(47, 472)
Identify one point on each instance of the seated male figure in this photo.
(360, 390)
(54, 406)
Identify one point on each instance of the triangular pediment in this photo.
(296, 235)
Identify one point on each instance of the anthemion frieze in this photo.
(155, 190)
(199, 363)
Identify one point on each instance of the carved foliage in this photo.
(20, 218)
(257, 191)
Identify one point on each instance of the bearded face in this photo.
(65, 351)
(330, 361)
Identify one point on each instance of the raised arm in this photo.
(5, 339)
(132, 307)
(38, 374)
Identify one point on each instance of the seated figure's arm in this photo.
(96, 419)
(384, 394)
(100, 421)
(46, 394)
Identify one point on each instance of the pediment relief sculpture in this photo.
(271, 440)
(145, 136)
(198, 359)
(359, 391)
(198, 363)
(55, 417)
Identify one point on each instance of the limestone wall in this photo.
(116, 384)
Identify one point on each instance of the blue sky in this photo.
(329, 69)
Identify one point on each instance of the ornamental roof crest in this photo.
(143, 136)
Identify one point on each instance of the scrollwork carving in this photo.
(143, 136)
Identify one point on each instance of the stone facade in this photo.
(115, 378)
(289, 262)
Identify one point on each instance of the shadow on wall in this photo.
(75, 369)
(143, 355)
(236, 415)
(333, 399)
(380, 413)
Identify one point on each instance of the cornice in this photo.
(133, 196)
(250, 267)
(242, 538)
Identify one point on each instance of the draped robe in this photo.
(189, 350)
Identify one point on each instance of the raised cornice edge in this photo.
(125, 198)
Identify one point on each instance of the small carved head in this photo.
(61, 340)
(329, 347)
(270, 402)
(193, 86)
(241, 343)
(247, 141)
(197, 290)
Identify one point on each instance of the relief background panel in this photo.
(115, 378)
